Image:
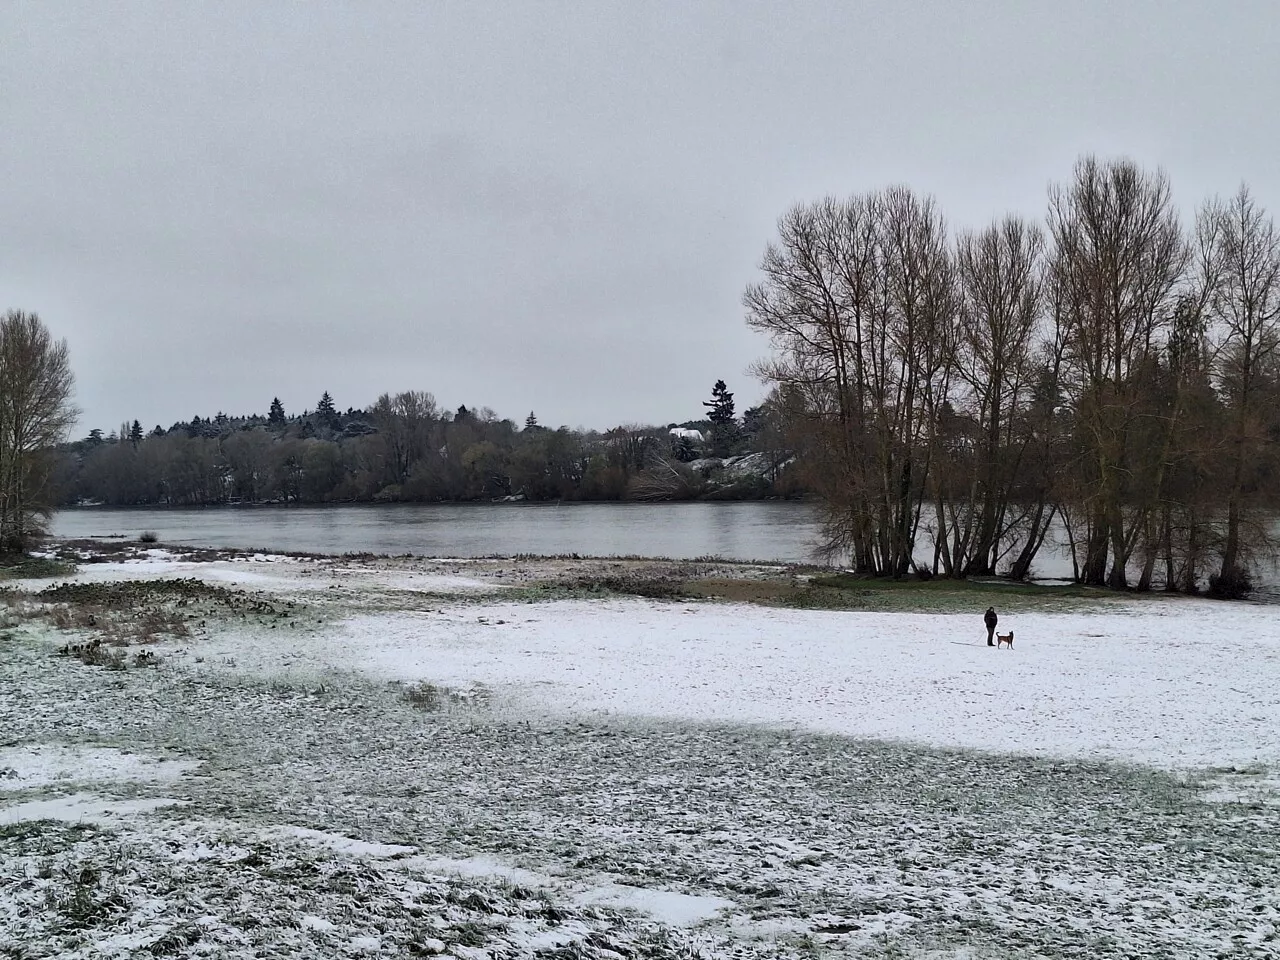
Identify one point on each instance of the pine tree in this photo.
(325, 408)
(724, 427)
(135, 433)
(276, 415)
(720, 406)
(531, 422)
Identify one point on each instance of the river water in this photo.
(784, 531)
(754, 530)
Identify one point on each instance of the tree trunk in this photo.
(1035, 538)
(1166, 539)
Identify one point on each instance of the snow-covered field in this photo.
(1151, 682)
(409, 763)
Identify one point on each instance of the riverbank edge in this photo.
(574, 576)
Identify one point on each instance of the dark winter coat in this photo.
(991, 619)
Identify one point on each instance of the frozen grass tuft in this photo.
(425, 696)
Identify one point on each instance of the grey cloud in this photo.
(539, 205)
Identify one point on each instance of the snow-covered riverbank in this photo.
(398, 758)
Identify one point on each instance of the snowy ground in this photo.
(395, 772)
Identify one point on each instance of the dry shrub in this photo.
(120, 627)
(433, 698)
(155, 624)
(104, 657)
(77, 617)
(425, 696)
(12, 609)
(95, 654)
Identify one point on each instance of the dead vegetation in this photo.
(432, 698)
(105, 619)
(123, 614)
(808, 588)
(94, 654)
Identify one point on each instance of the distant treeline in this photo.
(405, 448)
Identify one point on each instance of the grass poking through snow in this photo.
(821, 845)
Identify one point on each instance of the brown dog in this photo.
(1003, 638)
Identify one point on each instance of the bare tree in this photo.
(1183, 531)
(1000, 272)
(35, 414)
(859, 300)
(665, 479)
(404, 423)
(1118, 257)
(248, 456)
(1245, 309)
(822, 287)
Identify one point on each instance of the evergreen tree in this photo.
(135, 433)
(95, 437)
(682, 449)
(720, 406)
(276, 415)
(531, 422)
(158, 431)
(724, 427)
(325, 408)
(221, 420)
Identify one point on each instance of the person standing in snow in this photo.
(990, 619)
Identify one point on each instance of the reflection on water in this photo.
(779, 531)
(739, 531)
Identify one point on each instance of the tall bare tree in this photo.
(1118, 258)
(1245, 309)
(1000, 271)
(860, 302)
(404, 423)
(35, 414)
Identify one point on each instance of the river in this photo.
(753, 530)
(783, 531)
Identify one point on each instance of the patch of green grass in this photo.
(24, 567)
(848, 592)
(24, 829)
(823, 592)
(132, 592)
(82, 897)
(830, 592)
(425, 696)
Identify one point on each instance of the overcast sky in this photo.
(534, 206)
